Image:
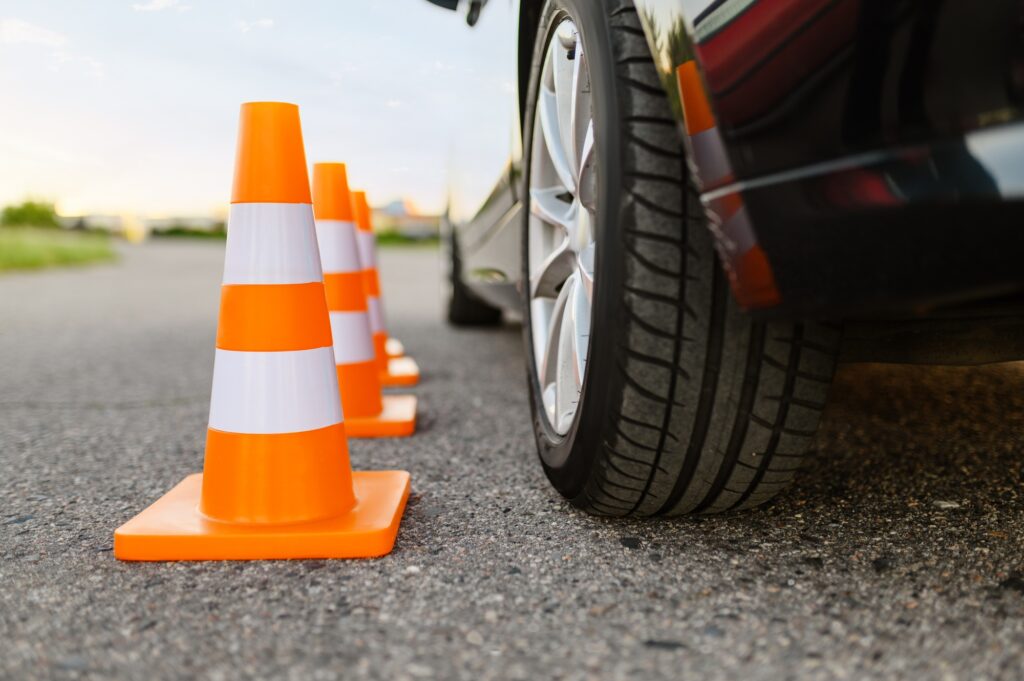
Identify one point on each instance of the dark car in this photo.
(711, 203)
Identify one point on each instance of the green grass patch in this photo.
(31, 248)
(35, 213)
(186, 232)
(390, 238)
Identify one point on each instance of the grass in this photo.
(185, 232)
(31, 248)
(392, 238)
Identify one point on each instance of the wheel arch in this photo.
(669, 43)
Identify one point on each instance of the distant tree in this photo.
(34, 213)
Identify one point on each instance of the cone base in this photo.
(401, 371)
(394, 348)
(173, 529)
(398, 419)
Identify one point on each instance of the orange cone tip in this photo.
(276, 481)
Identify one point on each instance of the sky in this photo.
(131, 106)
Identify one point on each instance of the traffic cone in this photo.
(276, 482)
(393, 370)
(394, 347)
(745, 262)
(368, 413)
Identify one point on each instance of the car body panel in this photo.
(480, 189)
(872, 151)
(797, 82)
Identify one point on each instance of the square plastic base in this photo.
(401, 371)
(394, 348)
(173, 529)
(397, 420)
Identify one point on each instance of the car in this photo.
(708, 204)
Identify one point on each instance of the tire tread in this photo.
(715, 410)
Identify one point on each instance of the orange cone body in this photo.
(393, 370)
(276, 481)
(745, 262)
(368, 413)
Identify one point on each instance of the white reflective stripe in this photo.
(709, 155)
(274, 392)
(376, 313)
(338, 250)
(352, 340)
(395, 347)
(367, 249)
(739, 232)
(720, 17)
(271, 243)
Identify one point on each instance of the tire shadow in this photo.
(921, 434)
(910, 463)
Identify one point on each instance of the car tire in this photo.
(464, 309)
(687, 405)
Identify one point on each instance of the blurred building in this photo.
(198, 224)
(402, 217)
(109, 223)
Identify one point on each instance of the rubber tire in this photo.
(687, 405)
(465, 309)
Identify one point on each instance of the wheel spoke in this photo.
(569, 369)
(579, 109)
(547, 106)
(586, 185)
(547, 279)
(548, 366)
(585, 270)
(580, 331)
(564, 80)
(581, 334)
(549, 207)
(550, 399)
(541, 320)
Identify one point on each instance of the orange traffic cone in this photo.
(276, 482)
(745, 262)
(393, 370)
(368, 413)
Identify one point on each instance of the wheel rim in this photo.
(560, 240)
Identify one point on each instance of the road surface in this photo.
(898, 554)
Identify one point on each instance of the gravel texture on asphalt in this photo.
(897, 554)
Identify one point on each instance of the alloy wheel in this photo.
(561, 239)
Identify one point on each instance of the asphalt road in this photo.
(898, 554)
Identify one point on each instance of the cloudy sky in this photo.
(130, 106)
